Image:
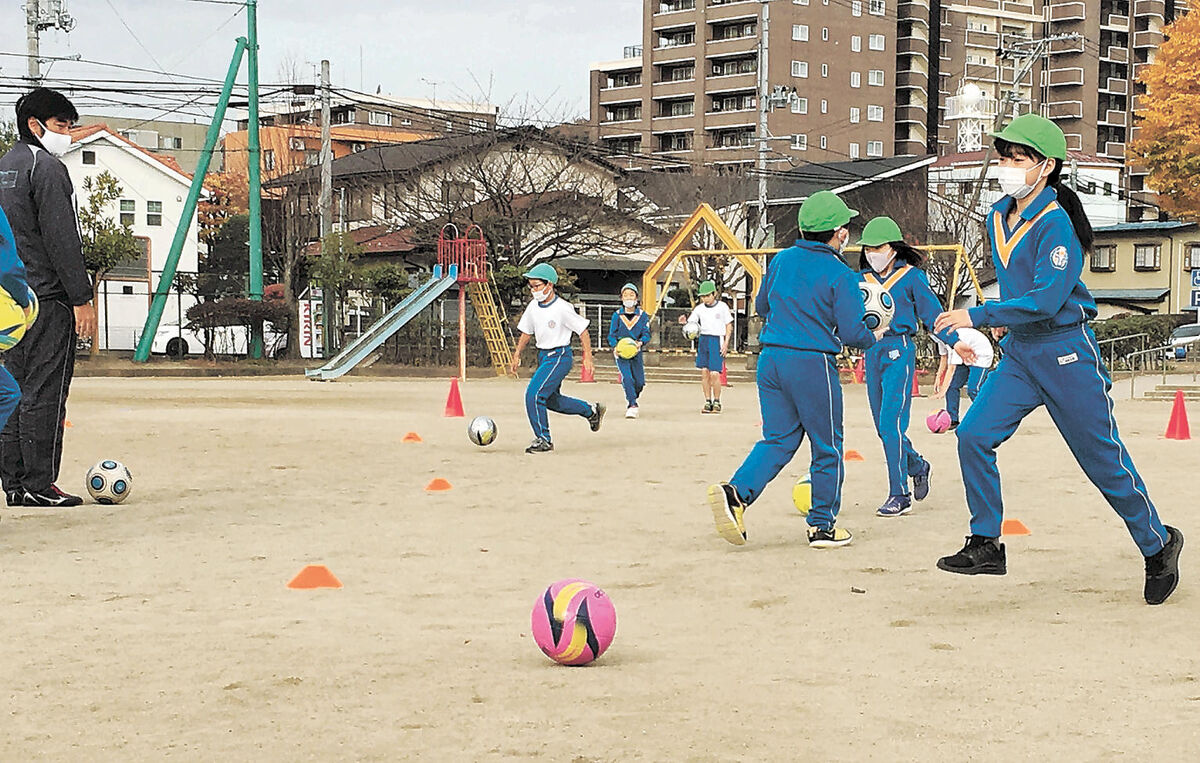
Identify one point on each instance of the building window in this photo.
(825, 33)
(687, 72)
(874, 113)
(154, 213)
(824, 142)
(1193, 257)
(824, 106)
(1147, 257)
(128, 212)
(800, 69)
(875, 77)
(874, 148)
(799, 2)
(800, 32)
(856, 44)
(875, 42)
(853, 150)
(89, 157)
(268, 160)
(138, 269)
(380, 119)
(824, 70)
(855, 79)
(855, 115)
(1108, 189)
(800, 142)
(800, 106)
(680, 141)
(1104, 259)
(856, 8)
(877, 7)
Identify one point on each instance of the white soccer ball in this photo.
(109, 482)
(482, 431)
(691, 330)
(880, 307)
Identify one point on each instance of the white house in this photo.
(153, 192)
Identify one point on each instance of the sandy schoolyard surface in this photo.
(164, 627)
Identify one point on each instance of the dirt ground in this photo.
(164, 627)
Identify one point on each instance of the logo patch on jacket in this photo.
(894, 354)
(1064, 360)
(1059, 258)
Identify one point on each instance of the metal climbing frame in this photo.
(468, 253)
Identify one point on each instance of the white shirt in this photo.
(552, 324)
(712, 320)
(984, 353)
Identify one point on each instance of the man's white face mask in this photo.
(54, 142)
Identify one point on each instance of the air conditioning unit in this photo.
(296, 144)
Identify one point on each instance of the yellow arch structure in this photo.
(675, 250)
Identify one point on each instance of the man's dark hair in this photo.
(821, 236)
(42, 104)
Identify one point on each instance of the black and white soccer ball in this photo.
(482, 431)
(109, 482)
(879, 305)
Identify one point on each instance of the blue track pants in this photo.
(890, 365)
(543, 394)
(969, 377)
(633, 377)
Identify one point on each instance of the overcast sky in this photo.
(531, 54)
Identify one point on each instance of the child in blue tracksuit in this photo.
(891, 364)
(812, 306)
(630, 322)
(1039, 236)
(12, 280)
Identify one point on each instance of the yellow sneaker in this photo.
(727, 511)
(832, 538)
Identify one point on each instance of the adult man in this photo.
(37, 195)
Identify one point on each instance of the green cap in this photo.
(823, 211)
(543, 271)
(631, 287)
(1038, 133)
(707, 287)
(880, 231)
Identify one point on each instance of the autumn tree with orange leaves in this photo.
(1168, 140)
(228, 196)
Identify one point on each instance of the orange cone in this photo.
(916, 391)
(860, 371)
(854, 455)
(437, 485)
(587, 376)
(67, 424)
(454, 408)
(1177, 427)
(620, 379)
(724, 375)
(412, 437)
(1014, 527)
(314, 576)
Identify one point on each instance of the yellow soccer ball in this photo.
(627, 348)
(802, 494)
(14, 319)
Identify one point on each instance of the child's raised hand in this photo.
(953, 319)
(965, 352)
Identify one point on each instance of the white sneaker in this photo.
(631, 412)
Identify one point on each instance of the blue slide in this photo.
(362, 347)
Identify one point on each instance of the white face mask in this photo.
(880, 260)
(1012, 180)
(543, 295)
(629, 303)
(54, 142)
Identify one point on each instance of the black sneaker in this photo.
(920, 482)
(15, 497)
(1162, 569)
(597, 416)
(708, 407)
(828, 537)
(52, 497)
(727, 509)
(540, 446)
(980, 556)
(716, 406)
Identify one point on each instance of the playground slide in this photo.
(362, 347)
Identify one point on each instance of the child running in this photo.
(552, 321)
(811, 304)
(954, 374)
(630, 322)
(716, 328)
(887, 260)
(1039, 236)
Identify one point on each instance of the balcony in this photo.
(612, 98)
(978, 39)
(1117, 21)
(1150, 8)
(1112, 118)
(1134, 132)
(984, 72)
(985, 109)
(1114, 150)
(732, 81)
(1139, 102)
(914, 12)
(726, 11)
(911, 79)
(1115, 85)
(1063, 110)
(911, 113)
(1067, 12)
(1151, 38)
(1140, 69)
(723, 120)
(912, 46)
(1066, 47)
(1116, 54)
(1009, 74)
(1062, 78)
(1026, 8)
(674, 6)
(1074, 141)
(737, 45)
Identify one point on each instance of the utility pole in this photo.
(764, 108)
(326, 203)
(41, 15)
(255, 167)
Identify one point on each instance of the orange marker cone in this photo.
(724, 376)
(314, 576)
(454, 408)
(860, 371)
(587, 376)
(854, 455)
(1177, 427)
(1014, 527)
(916, 391)
(437, 485)
(67, 424)
(412, 437)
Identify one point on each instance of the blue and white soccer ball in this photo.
(109, 482)
(880, 307)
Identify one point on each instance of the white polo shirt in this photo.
(712, 320)
(552, 325)
(984, 352)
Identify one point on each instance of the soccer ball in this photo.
(627, 348)
(691, 330)
(802, 495)
(880, 307)
(14, 319)
(938, 421)
(573, 622)
(482, 431)
(109, 482)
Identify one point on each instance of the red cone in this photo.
(860, 372)
(724, 375)
(916, 391)
(587, 376)
(1177, 428)
(454, 408)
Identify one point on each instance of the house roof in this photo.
(1130, 295)
(375, 240)
(89, 133)
(1145, 226)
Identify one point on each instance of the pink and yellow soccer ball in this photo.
(938, 421)
(573, 622)
(14, 319)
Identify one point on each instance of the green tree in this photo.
(335, 271)
(8, 135)
(106, 244)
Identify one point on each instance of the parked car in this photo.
(1182, 337)
(178, 342)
